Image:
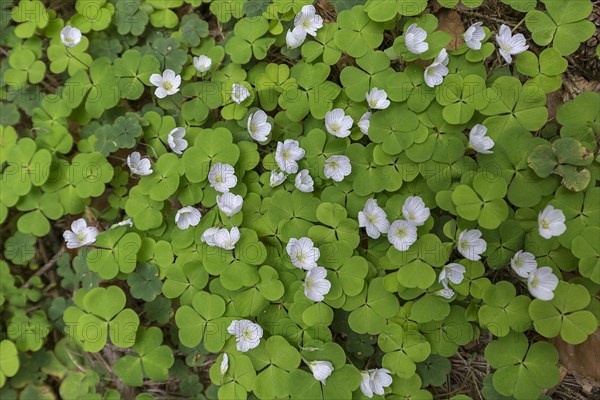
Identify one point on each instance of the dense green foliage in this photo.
(149, 300)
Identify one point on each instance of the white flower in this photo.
(138, 165)
(277, 178)
(337, 168)
(541, 283)
(380, 379)
(80, 234)
(258, 127)
(365, 123)
(287, 154)
(308, 20)
(551, 222)
(304, 182)
(510, 45)
(167, 84)
(202, 63)
(230, 203)
(435, 73)
(321, 370)
(365, 384)
(176, 140)
(374, 219)
(70, 36)
(224, 365)
(471, 245)
(222, 177)
(186, 217)
(338, 123)
(479, 141)
(452, 272)
(474, 35)
(126, 222)
(226, 239)
(402, 234)
(377, 99)
(239, 93)
(415, 211)
(374, 381)
(208, 235)
(523, 263)
(303, 253)
(247, 334)
(294, 38)
(414, 38)
(316, 285)
(446, 293)
(310, 348)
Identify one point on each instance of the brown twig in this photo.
(45, 268)
(110, 352)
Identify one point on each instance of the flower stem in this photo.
(518, 25)
(73, 56)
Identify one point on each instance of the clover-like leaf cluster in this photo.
(255, 199)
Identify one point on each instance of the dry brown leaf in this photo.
(575, 85)
(554, 100)
(583, 358)
(587, 384)
(326, 10)
(89, 214)
(589, 86)
(450, 22)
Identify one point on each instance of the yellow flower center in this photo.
(167, 85)
(371, 218)
(247, 333)
(519, 262)
(534, 282)
(309, 283)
